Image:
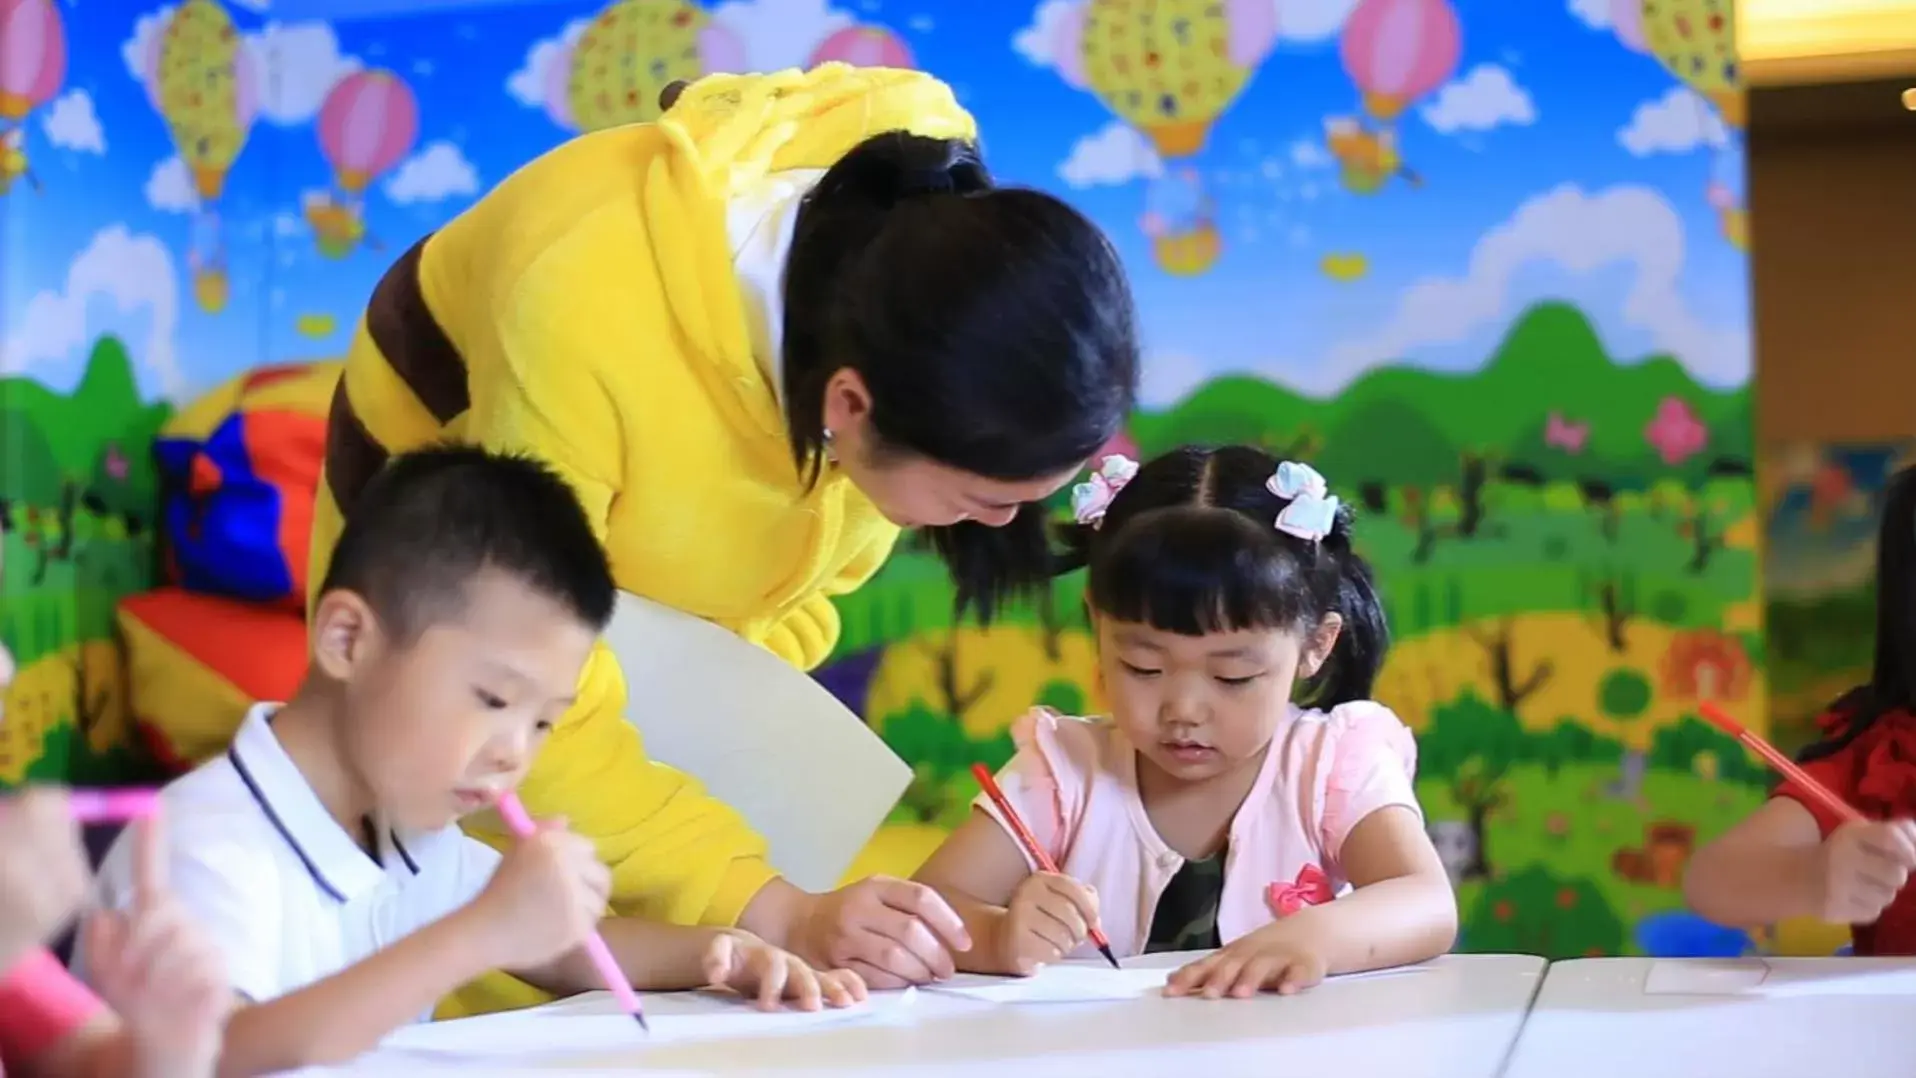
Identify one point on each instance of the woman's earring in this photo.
(831, 452)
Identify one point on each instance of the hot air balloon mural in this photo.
(33, 65)
(204, 81)
(1695, 41)
(367, 124)
(1169, 69)
(1180, 217)
(863, 46)
(1395, 52)
(627, 54)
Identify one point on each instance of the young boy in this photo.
(322, 850)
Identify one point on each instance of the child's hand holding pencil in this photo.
(1049, 916)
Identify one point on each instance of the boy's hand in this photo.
(1279, 957)
(1049, 916)
(152, 965)
(751, 967)
(1864, 867)
(546, 897)
(43, 869)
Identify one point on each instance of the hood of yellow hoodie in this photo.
(724, 134)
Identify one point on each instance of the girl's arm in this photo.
(1767, 868)
(976, 870)
(1401, 908)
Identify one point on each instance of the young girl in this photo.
(166, 989)
(1795, 858)
(1210, 810)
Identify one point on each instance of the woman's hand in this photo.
(891, 932)
(1278, 957)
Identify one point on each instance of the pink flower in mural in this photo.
(1675, 432)
(116, 463)
(1566, 434)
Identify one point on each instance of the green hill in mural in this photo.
(1406, 425)
(52, 439)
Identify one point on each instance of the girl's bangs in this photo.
(1195, 570)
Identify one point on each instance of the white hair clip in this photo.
(1091, 498)
(1312, 511)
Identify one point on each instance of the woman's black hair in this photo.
(1889, 688)
(1191, 546)
(992, 325)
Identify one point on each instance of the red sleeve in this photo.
(41, 1005)
(1836, 773)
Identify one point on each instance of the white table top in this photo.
(1835, 1016)
(1456, 1017)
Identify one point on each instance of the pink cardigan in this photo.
(1074, 781)
(40, 1005)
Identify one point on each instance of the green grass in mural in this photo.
(1571, 827)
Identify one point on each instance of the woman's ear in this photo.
(1323, 641)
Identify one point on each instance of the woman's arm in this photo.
(1765, 869)
(1401, 908)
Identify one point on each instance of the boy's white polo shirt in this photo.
(286, 893)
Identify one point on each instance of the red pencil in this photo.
(1784, 765)
(1030, 843)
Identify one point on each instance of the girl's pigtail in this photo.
(1351, 672)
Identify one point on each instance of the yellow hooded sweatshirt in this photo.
(587, 311)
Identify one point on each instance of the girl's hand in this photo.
(1864, 867)
(1276, 958)
(163, 978)
(751, 967)
(1048, 917)
(43, 870)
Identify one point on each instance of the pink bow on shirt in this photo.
(1311, 888)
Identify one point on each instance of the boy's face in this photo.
(442, 726)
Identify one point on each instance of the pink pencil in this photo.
(1783, 765)
(112, 806)
(519, 822)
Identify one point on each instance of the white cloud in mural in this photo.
(71, 123)
(1579, 233)
(1680, 121)
(287, 225)
(1035, 41)
(923, 24)
(1312, 20)
(434, 174)
(528, 84)
(254, 5)
(1594, 13)
(1485, 98)
(304, 60)
(135, 274)
(169, 187)
(1308, 154)
(1113, 155)
(306, 64)
(778, 34)
(1168, 377)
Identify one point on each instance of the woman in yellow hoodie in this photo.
(758, 337)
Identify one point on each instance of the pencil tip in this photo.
(640, 1019)
(1111, 958)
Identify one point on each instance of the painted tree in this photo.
(1511, 687)
(1623, 696)
(1473, 745)
(1616, 600)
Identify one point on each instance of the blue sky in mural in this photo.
(1557, 163)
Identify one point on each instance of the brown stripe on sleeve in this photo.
(415, 347)
(352, 456)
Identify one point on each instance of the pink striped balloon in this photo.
(863, 46)
(1396, 51)
(368, 122)
(33, 55)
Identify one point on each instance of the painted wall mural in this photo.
(1483, 262)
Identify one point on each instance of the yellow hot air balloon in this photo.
(632, 50)
(1695, 40)
(206, 90)
(1188, 254)
(1168, 68)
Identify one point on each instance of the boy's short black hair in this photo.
(435, 518)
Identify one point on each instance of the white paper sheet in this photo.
(759, 734)
(1757, 977)
(1063, 983)
(594, 1023)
